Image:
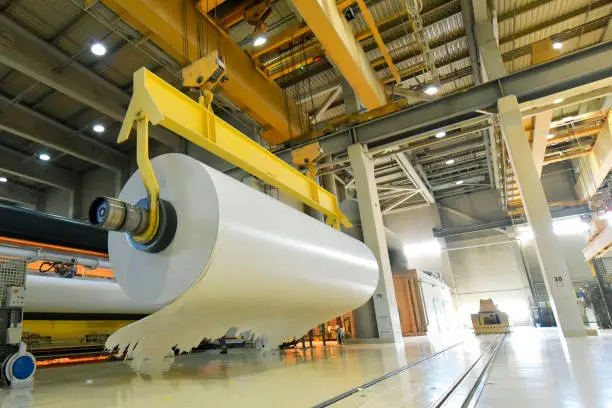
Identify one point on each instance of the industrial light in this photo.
(431, 90)
(3, 179)
(98, 49)
(550, 136)
(440, 135)
(558, 100)
(459, 182)
(450, 161)
(566, 226)
(260, 40)
(44, 157)
(98, 128)
(422, 248)
(557, 45)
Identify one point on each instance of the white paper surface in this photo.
(240, 259)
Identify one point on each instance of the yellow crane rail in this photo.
(159, 103)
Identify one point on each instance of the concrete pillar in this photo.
(365, 316)
(552, 263)
(328, 181)
(485, 23)
(385, 304)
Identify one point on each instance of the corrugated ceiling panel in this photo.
(16, 83)
(557, 28)
(125, 61)
(73, 164)
(518, 64)
(542, 14)
(44, 18)
(87, 118)
(380, 11)
(318, 81)
(444, 28)
(59, 106)
(78, 38)
(585, 40)
(12, 141)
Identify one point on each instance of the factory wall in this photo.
(94, 183)
(415, 229)
(579, 269)
(490, 267)
(57, 201)
(559, 182)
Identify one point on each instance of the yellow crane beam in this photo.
(163, 21)
(159, 103)
(367, 16)
(336, 36)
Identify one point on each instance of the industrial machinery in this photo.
(58, 305)
(17, 365)
(489, 319)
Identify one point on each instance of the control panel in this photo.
(15, 296)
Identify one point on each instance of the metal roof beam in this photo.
(412, 174)
(562, 74)
(29, 124)
(34, 57)
(18, 194)
(22, 165)
(334, 33)
(163, 21)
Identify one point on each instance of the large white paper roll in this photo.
(239, 259)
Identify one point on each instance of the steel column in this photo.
(554, 269)
(385, 304)
(541, 130)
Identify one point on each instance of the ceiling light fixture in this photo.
(44, 157)
(440, 135)
(98, 128)
(3, 179)
(431, 90)
(557, 45)
(558, 100)
(98, 49)
(450, 161)
(260, 40)
(459, 182)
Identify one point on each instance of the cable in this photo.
(65, 270)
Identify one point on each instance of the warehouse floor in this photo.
(531, 367)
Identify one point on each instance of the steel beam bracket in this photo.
(161, 104)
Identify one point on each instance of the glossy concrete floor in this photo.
(531, 369)
(539, 368)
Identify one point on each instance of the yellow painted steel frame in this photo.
(158, 102)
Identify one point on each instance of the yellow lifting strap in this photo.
(161, 104)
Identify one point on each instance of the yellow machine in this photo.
(489, 320)
(157, 102)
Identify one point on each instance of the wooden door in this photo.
(405, 305)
